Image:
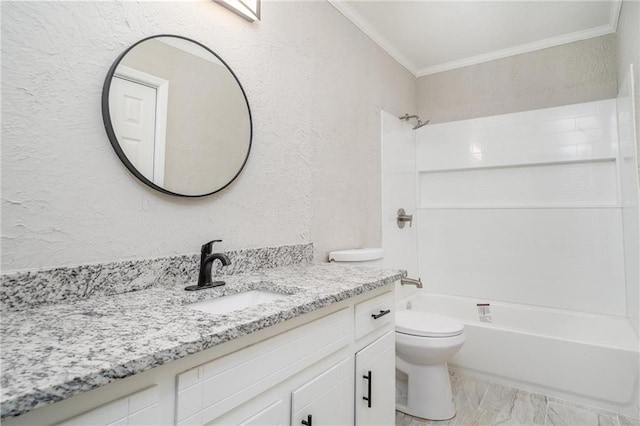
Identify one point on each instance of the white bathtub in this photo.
(586, 358)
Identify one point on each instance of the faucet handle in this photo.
(208, 247)
(403, 217)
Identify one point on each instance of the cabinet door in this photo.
(324, 400)
(273, 415)
(375, 382)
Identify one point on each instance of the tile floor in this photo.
(481, 403)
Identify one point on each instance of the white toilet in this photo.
(424, 344)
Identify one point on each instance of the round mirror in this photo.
(177, 116)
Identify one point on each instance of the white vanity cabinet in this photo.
(375, 361)
(326, 399)
(306, 370)
(307, 376)
(375, 382)
(139, 409)
(322, 395)
(212, 390)
(275, 414)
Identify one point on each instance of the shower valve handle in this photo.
(403, 218)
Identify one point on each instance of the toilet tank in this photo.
(362, 256)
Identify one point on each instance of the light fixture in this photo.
(248, 9)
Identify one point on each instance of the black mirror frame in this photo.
(108, 125)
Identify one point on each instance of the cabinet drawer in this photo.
(374, 313)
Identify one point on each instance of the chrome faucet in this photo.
(206, 264)
(411, 281)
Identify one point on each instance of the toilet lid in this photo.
(426, 324)
(356, 255)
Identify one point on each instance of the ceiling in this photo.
(433, 36)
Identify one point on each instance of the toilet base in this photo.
(429, 393)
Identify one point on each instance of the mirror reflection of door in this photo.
(139, 117)
(202, 134)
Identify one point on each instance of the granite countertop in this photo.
(53, 352)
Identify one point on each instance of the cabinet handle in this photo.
(368, 397)
(307, 422)
(381, 314)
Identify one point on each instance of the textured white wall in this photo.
(315, 84)
(571, 73)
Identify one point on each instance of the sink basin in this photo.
(236, 302)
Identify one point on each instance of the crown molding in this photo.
(517, 50)
(373, 34)
(391, 49)
(614, 14)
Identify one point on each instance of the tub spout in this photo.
(411, 281)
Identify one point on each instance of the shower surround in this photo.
(523, 209)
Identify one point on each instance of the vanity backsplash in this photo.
(21, 290)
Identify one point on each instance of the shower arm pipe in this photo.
(406, 117)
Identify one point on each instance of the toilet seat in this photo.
(425, 324)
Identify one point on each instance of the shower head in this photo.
(420, 124)
(406, 117)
